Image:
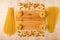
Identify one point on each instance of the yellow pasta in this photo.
(42, 14)
(9, 27)
(52, 13)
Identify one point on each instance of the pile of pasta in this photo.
(33, 33)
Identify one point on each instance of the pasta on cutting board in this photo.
(31, 21)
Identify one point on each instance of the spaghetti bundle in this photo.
(9, 27)
(52, 13)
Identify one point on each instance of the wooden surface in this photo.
(30, 20)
